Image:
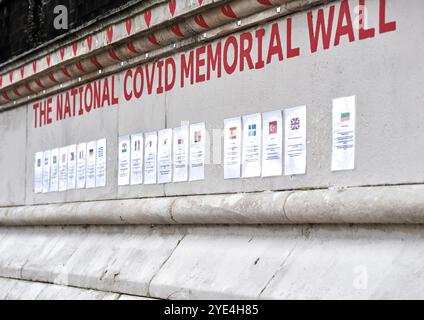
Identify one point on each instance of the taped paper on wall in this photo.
(344, 117)
(63, 169)
(272, 150)
(136, 169)
(124, 157)
(81, 165)
(165, 156)
(46, 171)
(101, 163)
(252, 140)
(180, 153)
(150, 157)
(197, 151)
(54, 170)
(232, 147)
(72, 166)
(91, 165)
(295, 141)
(38, 172)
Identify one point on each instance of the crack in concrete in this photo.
(278, 270)
(118, 294)
(163, 263)
(22, 268)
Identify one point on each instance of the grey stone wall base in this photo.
(215, 262)
(361, 205)
(17, 289)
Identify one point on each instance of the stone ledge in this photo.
(361, 205)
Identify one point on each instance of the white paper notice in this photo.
(197, 151)
(252, 139)
(232, 147)
(63, 169)
(101, 163)
(72, 166)
(38, 172)
(272, 150)
(343, 134)
(124, 157)
(54, 170)
(165, 156)
(46, 171)
(137, 158)
(150, 157)
(81, 165)
(91, 165)
(180, 153)
(295, 141)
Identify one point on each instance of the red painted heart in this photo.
(265, 2)
(66, 72)
(148, 17)
(48, 60)
(132, 48)
(228, 11)
(75, 48)
(153, 39)
(109, 33)
(200, 2)
(176, 30)
(201, 22)
(62, 53)
(128, 26)
(80, 67)
(90, 42)
(172, 4)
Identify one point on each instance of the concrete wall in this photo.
(217, 262)
(183, 258)
(386, 85)
(13, 153)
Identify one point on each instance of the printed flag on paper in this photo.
(345, 116)
(197, 136)
(233, 133)
(252, 130)
(272, 127)
(137, 145)
(295, 123)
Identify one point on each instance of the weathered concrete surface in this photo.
(395, 204)
(363, 205)
(341, 262)
(107, 259)
(256, 208)
(13, 289)
(13, 157)
(135, 211)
